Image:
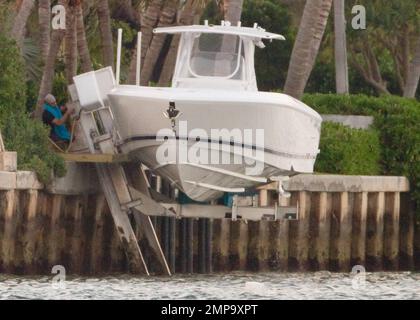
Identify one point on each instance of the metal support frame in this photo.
(128, 192)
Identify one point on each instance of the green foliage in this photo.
(12, 78)
(397, 121)
(348, 151)
(28, 137)
(271, 63)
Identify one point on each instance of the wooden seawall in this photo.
(343, 221)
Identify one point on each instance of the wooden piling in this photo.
(319, 248)
(358, 244)
(337, 222)
(9, 226)
(221, 235)
(29, 243)
(238, 245)
(391, 230)
(97, 252)
(407, 222)
(375, 230)
(341, 231)
(299, 233)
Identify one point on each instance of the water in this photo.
(318, 285)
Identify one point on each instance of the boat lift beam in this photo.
(120, 196)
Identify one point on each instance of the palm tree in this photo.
(413, 76)
(233, 10)
(187, 17)
(341, 67)
(149, 21)
(70, 42)
(167, 18)
(82, 44)
(305, 50)
(44, 18)
(106, 32)
(48, 74)
(20, 20)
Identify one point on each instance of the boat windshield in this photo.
(216, 55)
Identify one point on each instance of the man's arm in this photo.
(59, 122)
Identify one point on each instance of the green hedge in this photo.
(348, 151)
(26, 136)
(397, 121)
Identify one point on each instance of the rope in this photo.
(71, 139)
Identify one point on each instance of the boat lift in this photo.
(127, 190)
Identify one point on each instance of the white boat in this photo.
(213, 131)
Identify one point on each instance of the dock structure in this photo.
(342, 221)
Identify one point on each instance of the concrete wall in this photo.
(343, 220)
(356, 122)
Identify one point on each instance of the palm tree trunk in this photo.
(233, 10)
(413, 77)
(48, 74)
(70, 42)
(167, 18)
(44, 17)
(106, 32)
(187, 18)
(82, 44)
(148, 22)
(305, 50)
(21, 19)
(341, 65)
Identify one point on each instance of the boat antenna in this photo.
(119, 55)
(138, 66)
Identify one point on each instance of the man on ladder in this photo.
(53, 117)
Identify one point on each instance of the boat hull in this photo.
(222, 142)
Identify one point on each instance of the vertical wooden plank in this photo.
(238, 245)
(375, 230)
(341, 230)
(97, 251)
(391, 230)
(319, 249)
(172, 243)
(7, 210)
(279, 234)
(183, 245)
(209, 246)
(344, 240)
(253, 246)
(299, 235)
(190, 245)
(8, 243)
(42, 237)
(358, 248)
(202, 226)
(56, 237)
(19, 226)
(77, 245)
(407, 222)
(195, 245)
(221, 237)
(263, 245)
(31, 232)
